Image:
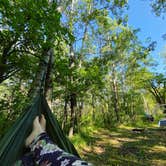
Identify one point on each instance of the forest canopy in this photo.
(88, 60)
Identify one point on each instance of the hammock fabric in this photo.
(12, 144)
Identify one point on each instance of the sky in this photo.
(141, 16)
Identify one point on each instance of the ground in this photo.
(123, 147)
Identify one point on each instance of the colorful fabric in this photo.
(45, 153)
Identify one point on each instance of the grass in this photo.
(120, 146)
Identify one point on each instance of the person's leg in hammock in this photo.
(45, 151)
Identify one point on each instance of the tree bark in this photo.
(115, 93)
(93, 107)
(38, 84)
(65, 113)
(73, 106)
(81, 106)
(48, 81)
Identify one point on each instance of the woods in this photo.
(84, 57)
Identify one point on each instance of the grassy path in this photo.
(123, 147)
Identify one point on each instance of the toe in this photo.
(43, 121)
(36, 122)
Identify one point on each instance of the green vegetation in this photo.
(122, 146)
(94, 71)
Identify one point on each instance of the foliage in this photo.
(159, 6)
(27, 28)
(99, 71)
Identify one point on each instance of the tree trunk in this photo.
(73, 106)
(115, 93)
(93, 107)
(65, 113)
(146, 106)
(38, 84)
(73, 97)
(81, 106)
(48, 81)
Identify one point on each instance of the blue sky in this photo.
(141, 16)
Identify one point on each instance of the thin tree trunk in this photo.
(93, 107)
(115, 94)
(48, 81)
(81, 106)
(73, 105)
(146, 106)
(65, 113)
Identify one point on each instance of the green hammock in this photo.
(12, 144)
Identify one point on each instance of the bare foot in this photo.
(43, 122)
(37, 129)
